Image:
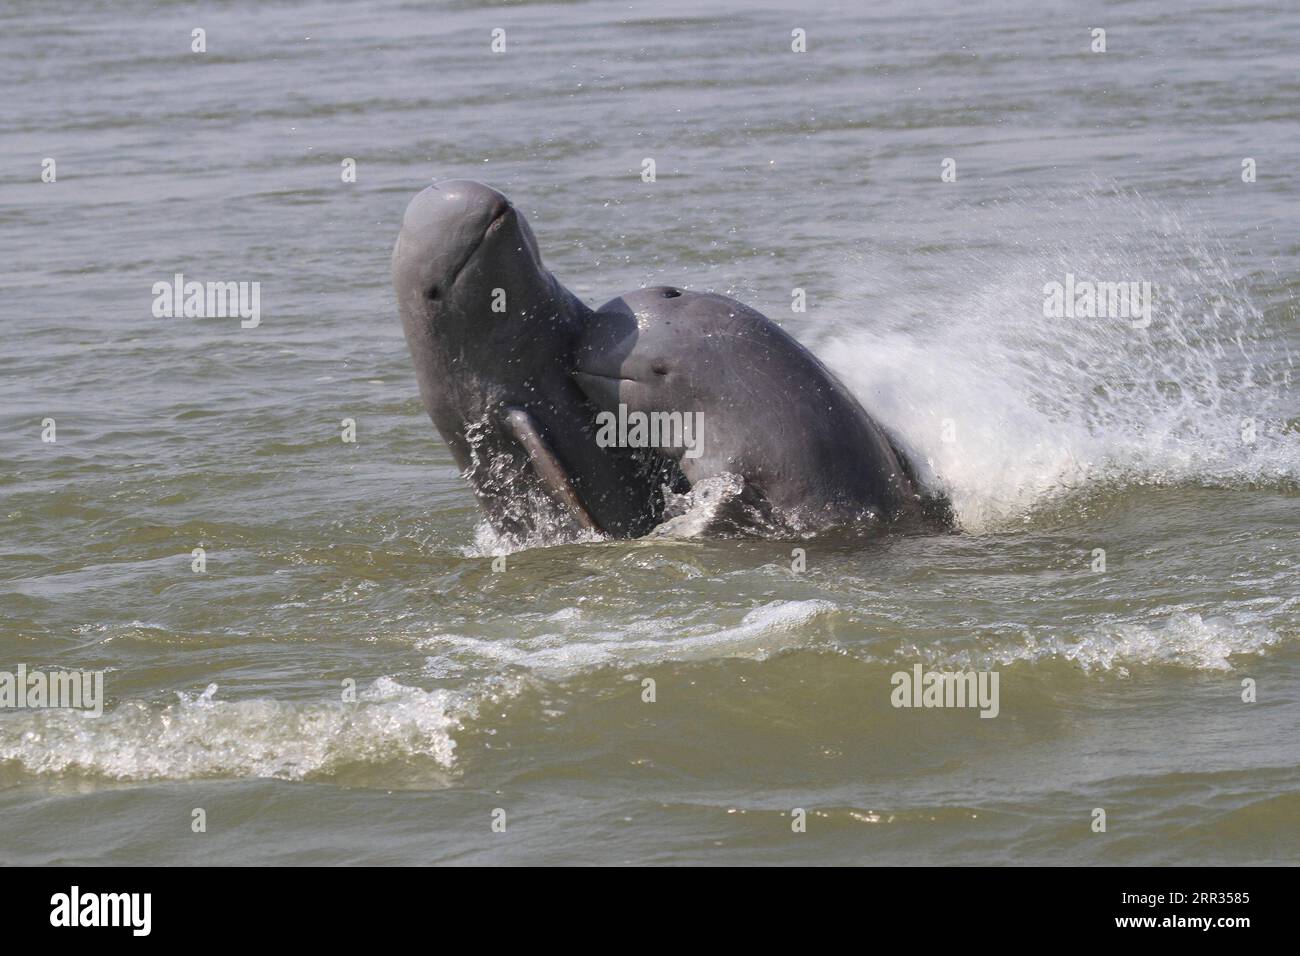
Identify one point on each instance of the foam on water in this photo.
(574, 645)
(1008, 410)
(201, 736)
(1186, 640)
(489, 542)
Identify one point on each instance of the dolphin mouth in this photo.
(580, 375)
(603, 391)
(492, 227)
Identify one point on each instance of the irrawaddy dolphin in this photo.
(752, 404)
(493, 334)
(521, 378)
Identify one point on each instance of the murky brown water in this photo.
(523, 691)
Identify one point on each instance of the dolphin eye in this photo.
(431, 293)
(659, 368)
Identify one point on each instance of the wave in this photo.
(199, 736)
(766, 630)
(1186, 640)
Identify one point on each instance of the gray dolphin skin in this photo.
(764, 409)
(515, 372)
(492, 334)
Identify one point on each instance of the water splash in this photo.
(201, 736)
(1008, 410)
(691, 514)
(527, 519)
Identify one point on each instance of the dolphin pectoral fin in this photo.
(555, 480)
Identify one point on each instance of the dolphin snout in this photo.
(601, 370)
(454, 211)
(443, 227)
(602, 390)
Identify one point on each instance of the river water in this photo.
(1169, 451)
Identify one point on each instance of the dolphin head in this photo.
(482, 316)
(664, 349)
(466, 269)
(656, 348)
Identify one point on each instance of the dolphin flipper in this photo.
(524, 428)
